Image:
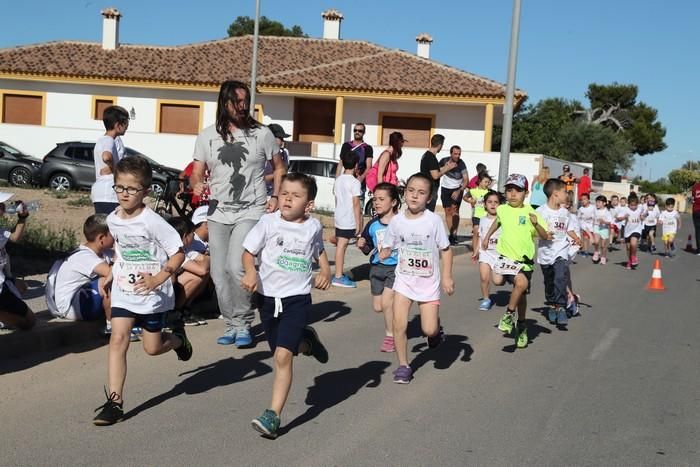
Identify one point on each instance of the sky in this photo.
(564, 45)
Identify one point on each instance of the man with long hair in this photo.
(235, 150)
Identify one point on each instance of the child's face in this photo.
(669, 207)
(491, 204)
(515, 196)
(623, 202)
(633, 205)
(585, 201)
(294, 201)
(560, 196)
(485, 183)
(106, 241)
(383, 202)
(130, 183)
(599, 204)
(417, 194)
(651, 201)
(614, 202)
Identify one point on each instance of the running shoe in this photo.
(453, 240)
(506, 322)
(435, 341)
(229, 337)
(596, 257)
(190, 320)
(603, 260)
(552, 315)
(403, 375)
(107, 330)
(388, 345)
(243, 338)
(562, 319)
(316, 347)
(485, 304)
(111, 411)
(635, 261)
(184, 352)
(343, 281)
(629, 265)
(653, 249)
(134, 336)
(267, 424)
(521, 339)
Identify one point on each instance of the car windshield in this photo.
(9, 149)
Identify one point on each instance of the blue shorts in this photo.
(287, 328)
(152, 322)
(87, 302)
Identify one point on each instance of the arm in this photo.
(18, 231)
(107, 159)
(574, 237)
(198, 267)
(249, 281)
(323, 278)
(357, 210)
(544, 235)
(381, 168)
(448, 283)
(197, 177)
(368, 165)
(104, 271)
(485, 241)
(147, 283)
(278, 171)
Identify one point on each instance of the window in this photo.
(81, 153)
(315, 168)
(99, 105)
(179, 118)
(415, 128)
(22, 108)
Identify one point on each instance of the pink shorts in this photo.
(432, 302)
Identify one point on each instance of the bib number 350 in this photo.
(414, 262)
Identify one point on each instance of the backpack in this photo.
(373, 176)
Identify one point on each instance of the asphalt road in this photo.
(620, 387)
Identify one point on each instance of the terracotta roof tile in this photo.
(283, 62)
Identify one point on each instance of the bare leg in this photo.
(429, 319)
(402, 305)
(485, 277)
(157, 343)
(340, 256)
(116, 356)
(283, 379)
(387, 304)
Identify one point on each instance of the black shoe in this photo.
(435, 341)
(184, 352)
(111, 413)
(190, 320)
(316, 348)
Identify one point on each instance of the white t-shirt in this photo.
(603, 218)
(76, 271)
(633, 221)
(669, 221)
(346, 187)
(4, 257)
(419, 242)
(615, 211)
(142, 244)
(288, 250)
(558, 222)
(489, 255)
(576, 228)
(586, 217)
(652, 216)
(102, 191)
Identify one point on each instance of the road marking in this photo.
(605, 343)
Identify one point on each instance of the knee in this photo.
(282, 358)
(119, 340)
(429, 329)
(152, 349)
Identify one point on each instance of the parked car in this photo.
(17, 168)
(71, 165)
(323, 170)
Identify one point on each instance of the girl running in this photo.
(381, 274)
(487, 257)
(601, 230)
(633, 214)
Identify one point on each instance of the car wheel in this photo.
(20, 176)
(60, 182)
(157, 190)
(369, 208)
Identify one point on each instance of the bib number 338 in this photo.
(131, 272)
(414, 262)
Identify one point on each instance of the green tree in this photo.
(691, 165)
(244, 25)
(683, 179)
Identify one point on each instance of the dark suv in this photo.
(18, 168)
(71, 165)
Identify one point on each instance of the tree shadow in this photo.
(18, 356)
(328, 311)
(533, 331)
(225, 372)
(332, 388)
(445, 355)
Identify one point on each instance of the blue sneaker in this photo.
(229, 337)
(562, 319)
(552, 315)
(485, 304)
(243, 338)
(343, 281)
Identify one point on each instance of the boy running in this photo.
(670, 222)
(633, 215)
(586, 218)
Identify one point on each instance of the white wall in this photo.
(278, 109)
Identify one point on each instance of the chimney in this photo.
(110, 28)
(331, 23)
(424, 41)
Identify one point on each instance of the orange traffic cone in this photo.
(656, 283)
(689, 246)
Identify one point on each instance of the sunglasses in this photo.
(357, 130)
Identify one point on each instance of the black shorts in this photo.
(287, 328)
(381, 277)
(345, 233)
(648, 229)
(475, 221)
(12, 304)
(446, 197)
(634, 235)
(105, 208)
(152, 322)
(528, 275)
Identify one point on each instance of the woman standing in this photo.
(235, 150)
(537, 196)
(387, 166)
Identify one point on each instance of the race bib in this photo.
(415, 262)
(506, 266)
(130, 272)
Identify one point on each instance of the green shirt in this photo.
(517, 233)
(478, 194)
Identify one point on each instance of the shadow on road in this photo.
(334, 387)
(533, 331)
(444, 356)
(222, 373)
(331, 310)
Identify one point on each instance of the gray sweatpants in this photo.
(226, 248)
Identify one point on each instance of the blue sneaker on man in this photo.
(229, 337)
(343, 281)
(562, 319)
(552, 315)
(485, 304)
(243, 338)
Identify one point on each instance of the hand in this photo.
(533, 218)
(475, 256)
(249, 281)
(448, 285)
(358, 231)
(485, 244)
(361, 243)
(322, 281)
(271, 205)
(449, 165)
(333, 240)
(456, 195)
(550, 236)
(146, 283)
(384, 253)
(199, 188)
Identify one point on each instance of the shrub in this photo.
(42, 237)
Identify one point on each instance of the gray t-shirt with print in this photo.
(236, 168)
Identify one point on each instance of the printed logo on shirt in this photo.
(521, 220)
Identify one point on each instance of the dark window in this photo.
(79, 153)
(415, 129)
(100, 106)
(315, 168)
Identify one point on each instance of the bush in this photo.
(83, 200)
(44, 238)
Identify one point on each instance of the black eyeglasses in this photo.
(357, 130)
(130, 190)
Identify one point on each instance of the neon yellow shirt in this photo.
(478, 194)
(517, 233)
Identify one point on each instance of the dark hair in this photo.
(601, 198)
(307, 181)
(480, 168)
(137, 166)
(393, 191)
(228, 92)
(623, 197)
(359, 123)
(613, 197)
(395, 140)
(422, 176)
(350, 160)
(182, 225)
(95, 225)
(437, 140)
(552, 185)
(632, 198)
(586, 170)
(113, 115)
(586, 195)
(670, 202)
(490, 193)
(482, 175)
(454, 147)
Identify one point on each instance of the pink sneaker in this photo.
(635, 261)
(603, 260)
(629, 266)
(387, 345)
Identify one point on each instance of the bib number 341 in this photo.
(131, 272)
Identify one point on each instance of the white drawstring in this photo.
(278, 307)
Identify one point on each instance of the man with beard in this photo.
(235, 150)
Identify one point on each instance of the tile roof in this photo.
(342, 65)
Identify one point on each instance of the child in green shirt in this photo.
(475, 197)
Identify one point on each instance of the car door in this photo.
(6, 161)
(83, 163)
